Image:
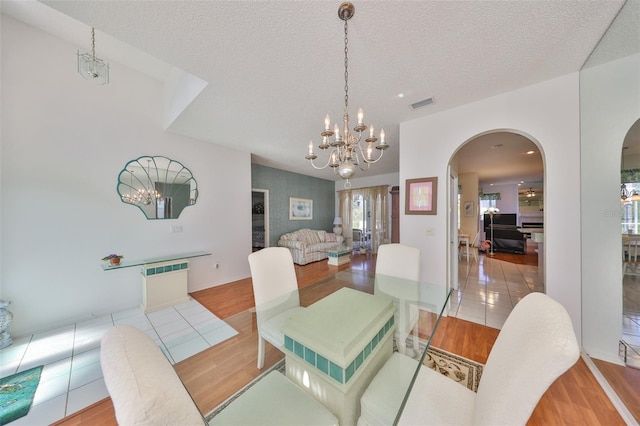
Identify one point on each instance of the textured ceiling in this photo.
(275, 68)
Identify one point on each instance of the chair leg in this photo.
(260, 353)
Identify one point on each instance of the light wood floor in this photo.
(215, 374)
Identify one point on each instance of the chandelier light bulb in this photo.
(336, 130)
(327, 122)
(360, 116)
(382, 142)
(310, 147)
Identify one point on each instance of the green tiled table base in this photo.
(164, 284)
(339, 257)
(329, 368)
(343, 400)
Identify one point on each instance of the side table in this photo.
(339, 256)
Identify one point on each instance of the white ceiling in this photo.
(275, 68)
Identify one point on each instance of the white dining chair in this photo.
(630, 253)
(275, 290)
(536, 345)
(401, 261)
(473, 248)
(357, 238)
(398, 260)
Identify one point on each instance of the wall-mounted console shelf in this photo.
(164, 279)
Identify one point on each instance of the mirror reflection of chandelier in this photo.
(143, 197)
(344, 152)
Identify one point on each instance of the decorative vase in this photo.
(5, 319)
(114, 261)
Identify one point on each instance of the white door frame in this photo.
(452, 218)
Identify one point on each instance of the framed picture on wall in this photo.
(300, 209)
(421, 196)
(468, 208)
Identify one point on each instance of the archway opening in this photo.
(500, 179)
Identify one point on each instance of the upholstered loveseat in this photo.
(308, 245)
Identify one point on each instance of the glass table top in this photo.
(139, 262)
(417, 308)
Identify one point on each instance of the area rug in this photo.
(457, 368)
(16, 394)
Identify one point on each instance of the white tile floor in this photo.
(72, 378)
(489, 289)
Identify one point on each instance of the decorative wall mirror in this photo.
(159, 186)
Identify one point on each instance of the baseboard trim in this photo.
(609, 391)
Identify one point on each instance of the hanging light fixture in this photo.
(531, 193)
(624, 192)
(142, 196)
(344, 151)
(90, 66)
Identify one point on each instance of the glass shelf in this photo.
(129, 263)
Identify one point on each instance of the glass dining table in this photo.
(335, 346)
(419, 309)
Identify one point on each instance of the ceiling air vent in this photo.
(422, 103)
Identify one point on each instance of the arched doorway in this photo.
(504, 170)
(630, 225)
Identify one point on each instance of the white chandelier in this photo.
(344, 151)
(91, 67)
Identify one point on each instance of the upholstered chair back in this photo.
(398, 260)
(536, 345)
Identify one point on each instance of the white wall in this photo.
(64, 141)
(548, 114)
(610, 102)
(469, 183)
(508, 202)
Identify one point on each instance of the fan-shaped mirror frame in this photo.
(159, 186)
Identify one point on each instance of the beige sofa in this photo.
(308, 245)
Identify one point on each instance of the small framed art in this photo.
(300, 209)
(421, 196)
(468, 208)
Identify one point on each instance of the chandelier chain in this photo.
(346, 67)
(343, 149)
(93, 43)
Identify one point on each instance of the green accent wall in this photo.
(282, 185)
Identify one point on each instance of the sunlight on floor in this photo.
(72, 378)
